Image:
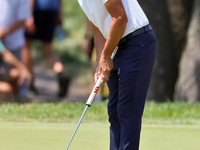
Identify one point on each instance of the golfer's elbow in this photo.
(123, 20)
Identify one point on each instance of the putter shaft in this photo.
(90, 100)
(86, 107)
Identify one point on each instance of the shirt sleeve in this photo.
(1, 46)
(104, 1)
(24, 10)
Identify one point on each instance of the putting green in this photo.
(92, 136)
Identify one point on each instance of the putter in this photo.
(90, 100)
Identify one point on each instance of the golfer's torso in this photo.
(99, 16)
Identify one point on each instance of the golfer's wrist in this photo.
(105, 54)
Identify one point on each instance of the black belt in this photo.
(135, 33)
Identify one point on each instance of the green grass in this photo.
(168, 112)
(51, 112)
(43, 136)
(90, 136)
(170, 137)
(49, 126)
(154, 113)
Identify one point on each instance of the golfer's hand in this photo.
(105, 66)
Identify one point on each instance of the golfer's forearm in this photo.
(99, 45)
(117, 27)
(16, 25)
(116, 31)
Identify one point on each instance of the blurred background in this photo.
(176, 72)
(174, 92)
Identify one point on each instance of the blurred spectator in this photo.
(88, 47)
(17, 75)
(46, 16)
(13, 14)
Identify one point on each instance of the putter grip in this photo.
(94, 92)
(98, 84)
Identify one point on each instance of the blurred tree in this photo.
(188, 85)
(180, 13)
(166, 66)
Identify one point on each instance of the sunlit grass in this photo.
(159, 113)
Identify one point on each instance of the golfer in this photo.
(123, 23)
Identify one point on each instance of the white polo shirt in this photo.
(99, 16)
(11, 11)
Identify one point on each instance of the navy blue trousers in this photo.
(128, 84)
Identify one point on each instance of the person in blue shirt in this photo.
(52, 5)
(19, 72)
(46, 16)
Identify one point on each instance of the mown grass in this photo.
(154, 113)
(90, 136)
(168, 112)
(51, 112)
(27, 126)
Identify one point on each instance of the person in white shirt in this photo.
(13, 14)
(123, 24)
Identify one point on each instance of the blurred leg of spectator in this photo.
(12, 18)
(10, 74)
(6, 88)
(54, 59)
(45, 23)
(28, 62)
